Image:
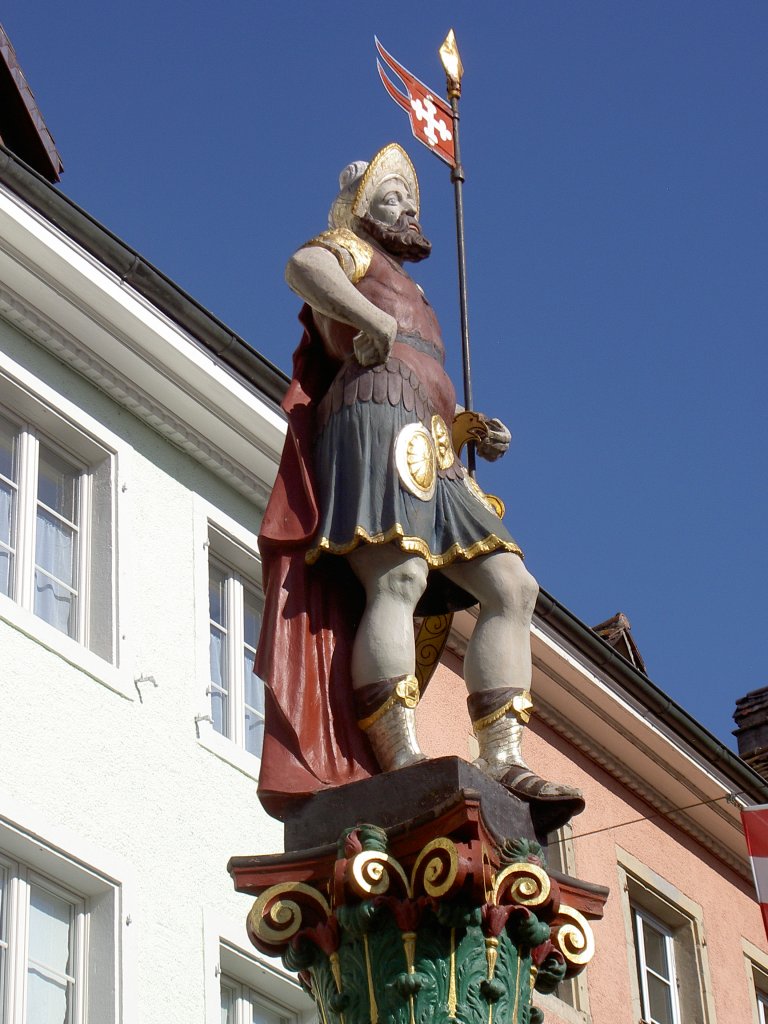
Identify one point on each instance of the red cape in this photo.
(311, 740)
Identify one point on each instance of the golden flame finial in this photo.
(451, 61)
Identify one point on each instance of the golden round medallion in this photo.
(415, 460)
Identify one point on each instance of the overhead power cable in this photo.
(730, 798)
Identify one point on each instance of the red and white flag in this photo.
(430, 117)
(755, 822)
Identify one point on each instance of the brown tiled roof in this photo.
(22, 128)
(617, 632)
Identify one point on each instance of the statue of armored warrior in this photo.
(374, 519)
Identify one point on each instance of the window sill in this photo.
(79, 657)
(228, 751)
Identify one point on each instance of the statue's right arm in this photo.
(315, 275)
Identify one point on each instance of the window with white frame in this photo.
(42, 941)
(245, 987)
(670, 976)
(243, 1005)
(758, 974)
(55, 521)
(656, 970)
(235, 607)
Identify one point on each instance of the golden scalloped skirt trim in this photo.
(413, 546)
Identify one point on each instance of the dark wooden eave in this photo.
(22, 128)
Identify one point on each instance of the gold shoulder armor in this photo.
(354, 255)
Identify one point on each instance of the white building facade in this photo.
(134, 466)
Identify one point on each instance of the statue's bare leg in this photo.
(383, 656)
(499, 651)
(497, 670)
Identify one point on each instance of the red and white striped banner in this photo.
(755, 822)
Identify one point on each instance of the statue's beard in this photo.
(403, 239)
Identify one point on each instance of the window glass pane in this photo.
(7, 494)
(220, 711)
(219, 661)
(49, 972)
(218, 652)
(57, 483)
(655, 949)
(660, 1000)
(3, 883)
(8, 469)
(254, 687)
(3, 938)
(6, 572)
(254, 733)
(55, 603)
(56, 548)
(47, 1000)
(228, 996)
(261, 1014)
(8, 435)
(251, 618)
(217, 596)
(50, 926)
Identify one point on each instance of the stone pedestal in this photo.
(432, 904)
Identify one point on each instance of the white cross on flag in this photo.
(755, 822)
(430, 117)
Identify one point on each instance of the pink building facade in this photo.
(682, 940)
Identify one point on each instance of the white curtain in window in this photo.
(3, 936)
(228, 996)
(55, 556)
(49, 975)
(6, 543)
(254, 709)
(7, 495)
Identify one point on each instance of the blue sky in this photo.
(616, 202)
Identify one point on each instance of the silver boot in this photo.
(500, 738)
(391, 729)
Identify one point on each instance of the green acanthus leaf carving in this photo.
(551, 973)
(358, 918)
(458, 915)
(300, 955)
(521, 851)
(361, 837)
(409, 984)
(526, 929)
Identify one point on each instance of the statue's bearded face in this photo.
(391, 221)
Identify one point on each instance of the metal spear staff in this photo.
(428, 115)
(454, 71)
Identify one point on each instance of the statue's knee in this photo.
(407, 581)
(529, 592)
(517, 590)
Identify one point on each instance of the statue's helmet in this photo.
(359, 181)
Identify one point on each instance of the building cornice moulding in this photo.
(31, 322)
(640, 787)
